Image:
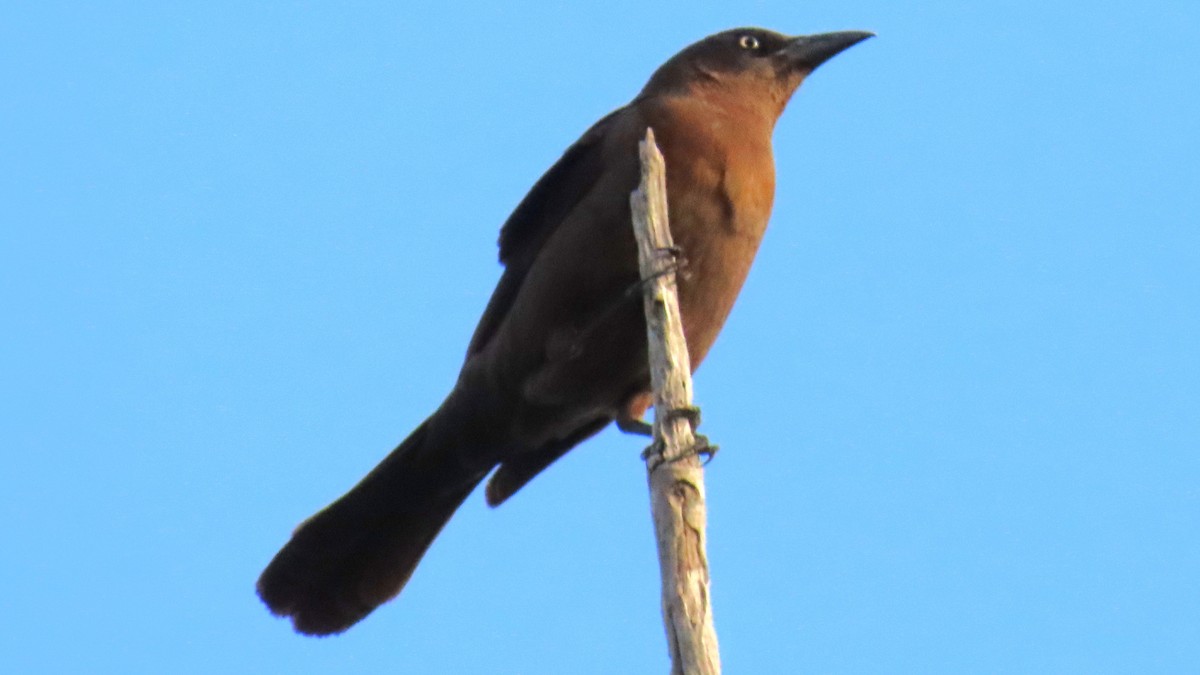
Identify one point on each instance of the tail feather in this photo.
(359, 552)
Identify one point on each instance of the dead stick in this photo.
(675, 474)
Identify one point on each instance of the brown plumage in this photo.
(561, 349)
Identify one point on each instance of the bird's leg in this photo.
(635, 426)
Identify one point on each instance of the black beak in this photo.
(806, 52)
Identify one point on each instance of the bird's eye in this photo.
(748, 42)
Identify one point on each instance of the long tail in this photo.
(358, 552)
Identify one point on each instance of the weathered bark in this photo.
(675, 473)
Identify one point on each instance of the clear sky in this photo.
(242, 250)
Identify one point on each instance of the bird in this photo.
(560, 351)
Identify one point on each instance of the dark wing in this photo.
(552, 198)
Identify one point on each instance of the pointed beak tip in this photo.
(810, 51)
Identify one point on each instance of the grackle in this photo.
(561, 349)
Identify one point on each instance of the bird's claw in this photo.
(703, 449)
(673, 252)
(675, 262)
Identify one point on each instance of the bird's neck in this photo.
(744, 102)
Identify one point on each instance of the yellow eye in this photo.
(748, 42)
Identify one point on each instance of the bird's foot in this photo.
(640, 427)
(674, 263)
(701, 447)
(690, 413)
(673, 253)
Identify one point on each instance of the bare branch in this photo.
(676, 475)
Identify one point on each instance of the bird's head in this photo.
(749, 62)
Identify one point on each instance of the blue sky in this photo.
(242, 250)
